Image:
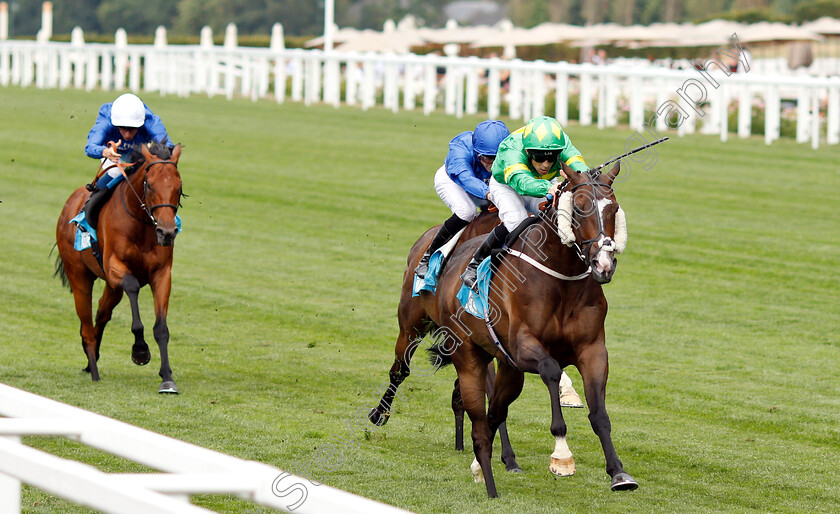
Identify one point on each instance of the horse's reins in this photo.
(148, 210)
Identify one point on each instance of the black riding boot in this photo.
(94, 205)
(447, 231)
(495, 239)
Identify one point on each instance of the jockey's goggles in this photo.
(542, 156)
(487, 158)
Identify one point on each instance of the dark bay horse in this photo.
(548, 312)
(136, 233)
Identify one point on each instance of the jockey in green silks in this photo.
(527, 168)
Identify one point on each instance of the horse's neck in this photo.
(548, 249)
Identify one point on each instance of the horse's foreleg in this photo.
(140, 354)
(458, 410)
(161, 287)
(594, 367)
(502, 392)
(110, 298)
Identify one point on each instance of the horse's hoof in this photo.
(571, 399)
(515, 469)
(141, 357)
(168, 387)
(475, 469)
(564, 467)
(378, 418)
(623, 482)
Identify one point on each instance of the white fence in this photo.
(188, 469)
(603, 95)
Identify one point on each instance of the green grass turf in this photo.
(724, 389)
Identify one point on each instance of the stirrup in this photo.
(470, 276)
(423, 266)
(81, 221)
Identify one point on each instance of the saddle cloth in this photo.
(429, 282)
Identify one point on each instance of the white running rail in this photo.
(186, 469)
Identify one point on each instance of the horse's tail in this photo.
(59, 269)
(440, 354)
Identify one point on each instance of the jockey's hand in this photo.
(555, 189)
(488, 197)
(111, 154)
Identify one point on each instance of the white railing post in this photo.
(815, 119)
(585, 98)
(206, 74)
(297, 77)
(353, 78)
(230, 45)
(832, 129)
(538, 92)
(723, 110)
(473, 70)
(429, 88)
(744, 111)
(278, 48)
(410, 85)
(120, 58)
(803, 110)
(772, 114)
(494, 95)
(368, 90)
(561, 98)
(636, 102)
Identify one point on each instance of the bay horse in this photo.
(136, 233)
(411, 308)
(554, 318)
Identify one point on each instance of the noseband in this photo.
(586, 245)
(148, 210)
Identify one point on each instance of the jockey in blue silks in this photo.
(128, 120)
(462, 181)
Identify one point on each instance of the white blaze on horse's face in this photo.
(604, 260)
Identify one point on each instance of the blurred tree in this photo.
(813, 9)
(135, 17)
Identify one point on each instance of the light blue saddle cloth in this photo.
(430, 281)
(475, 302)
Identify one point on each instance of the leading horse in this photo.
(136, 233)
(549, 310)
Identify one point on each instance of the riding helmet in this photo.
(543, 133)
(128, 111)
(487, 136)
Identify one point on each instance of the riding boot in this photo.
(495, 239)
(448, 230)
(94, 205)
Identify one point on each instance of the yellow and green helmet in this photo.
(542, 133)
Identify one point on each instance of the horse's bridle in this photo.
(148, 210)
(586, 245)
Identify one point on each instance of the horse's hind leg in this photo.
(412, 318)
(110, 298)
(400, 370)
(458, 410)
(82, 297)
(140, 354)
(508, 456)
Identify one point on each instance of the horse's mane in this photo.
(155, 148)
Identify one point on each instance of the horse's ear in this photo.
(610, 177)
(572, 175)
(147, 155)
(176, 153)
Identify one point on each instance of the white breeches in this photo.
(461, 203)
(513, 207)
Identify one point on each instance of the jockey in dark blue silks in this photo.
(127, 120)
(462, 181)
